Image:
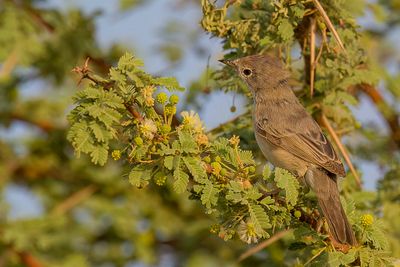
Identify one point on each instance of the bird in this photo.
(291, 139)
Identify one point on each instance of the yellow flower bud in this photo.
(367, 220)
(116, 154)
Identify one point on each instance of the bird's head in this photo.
(260, 72)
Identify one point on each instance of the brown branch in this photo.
(235, 119)
(312, 55)
(45, 126)
(28, 259)
(341, 147)
(74, 200)
(264, 244)
(389, 114)
(133, 112)
(9, 63)
(329, 23)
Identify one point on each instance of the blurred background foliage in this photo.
(56, 210)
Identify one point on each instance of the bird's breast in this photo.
(280, 157)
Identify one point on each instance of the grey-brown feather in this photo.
(327, 193)
(290, 138)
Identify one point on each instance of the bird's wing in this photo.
(310, 144)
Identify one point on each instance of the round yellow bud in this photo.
(367, 220)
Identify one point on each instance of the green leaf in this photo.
(99, 155)
(188, 144)
(116, 75)
(97, 131)
(209, 195)
(266, 172)
(259, 218)
(298, 11)
(289, 183)
(139, 176)
(181, 180)
(94, 110)
(252, 194)
(81, 138)
(194, 166)
(246, 156)
(168, 82)
(169, 162)
(285, 30)
(128, 61)
(112, 100)
(267, 201)
(341, 259)
(91, 93)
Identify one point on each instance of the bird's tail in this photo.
(327, 192)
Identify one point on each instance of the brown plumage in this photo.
(291, 139)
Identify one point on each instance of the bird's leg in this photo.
(339, 246)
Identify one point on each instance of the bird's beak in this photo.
(227, 62)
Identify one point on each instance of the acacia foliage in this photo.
(215, 171)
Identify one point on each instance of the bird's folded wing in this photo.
(310, 145)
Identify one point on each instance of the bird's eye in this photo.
(247, 72)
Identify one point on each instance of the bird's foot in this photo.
(339, 246)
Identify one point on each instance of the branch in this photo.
(9, 63)
(392, 119)
(46, 126)
(264, 244)
(312, 55)
(341, 147)
(234, 120)
(28, 259)
(329, 23)
(74, 200)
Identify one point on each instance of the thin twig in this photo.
(312, 56)
(321, 48)
(46, 126)
(74, 200)
(329, 23)
(217, 128)
(315, 256)
(9, 63)
(264, 244)
(342, 149)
